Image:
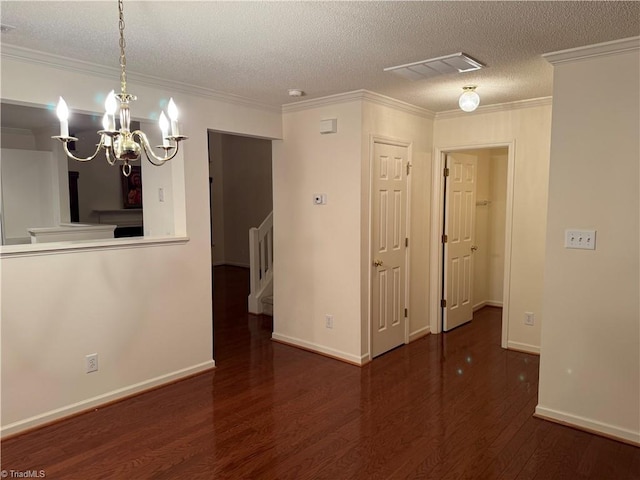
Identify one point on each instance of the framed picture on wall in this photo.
(132, 188)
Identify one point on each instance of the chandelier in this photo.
(120, 145)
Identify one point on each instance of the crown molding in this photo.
(590, 51)
(358, 95)
(28, 55)
(397, 104)
(498, 107)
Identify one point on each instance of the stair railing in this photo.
(260, 261)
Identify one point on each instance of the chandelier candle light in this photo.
(121, 145)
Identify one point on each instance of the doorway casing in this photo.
(437, 221)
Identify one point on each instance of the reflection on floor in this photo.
(448, 406)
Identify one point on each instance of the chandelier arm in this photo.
(111, 159)
(152, 157)
(87, 159)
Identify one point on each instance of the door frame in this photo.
(437, 219)
(373, 139)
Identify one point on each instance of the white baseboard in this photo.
(523, 347)
(586, 424)
(421, 332)
(91, 403)
(314, 347)
(219, 263)
(237, 264)
(487, 303)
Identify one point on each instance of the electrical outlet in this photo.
(319, 198)
(92, 362)
(528, 318)
(328, 321)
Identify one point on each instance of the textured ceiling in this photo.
(258, 50)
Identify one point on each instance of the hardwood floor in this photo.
(452, 406)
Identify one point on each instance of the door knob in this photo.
(377, 263)
(474, 248)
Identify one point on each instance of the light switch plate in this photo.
(580, 239)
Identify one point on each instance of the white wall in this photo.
(145, 310)
(322, 261)
(590, 353)
(36, 191)
(216, 173)
(481, 273)
(488, 260)
(242, 192)
(39, 139)
(528, 127)
(317, 248)
(497, 221)
(27, 192)
(99, 184)
(17, 138)
(401, 122)
(248, 195)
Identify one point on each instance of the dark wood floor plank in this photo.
(446, 407)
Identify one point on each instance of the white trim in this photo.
(99, 400)
(422, 332)
(508, 239)
(597, 50)
(35, 249)
(315, 347)
(523, 347)
(487, 303)
(498, 107)
(65, 63)
(356, 95)
(437, 202)
(587, 424)
(236, 264)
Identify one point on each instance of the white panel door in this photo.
(460, 209)
(389, 229)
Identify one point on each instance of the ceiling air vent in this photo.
(455, 63)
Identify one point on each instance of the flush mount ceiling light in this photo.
(454, 63)
(121, 145)
(469, 100)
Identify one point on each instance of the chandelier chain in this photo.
(123, 58)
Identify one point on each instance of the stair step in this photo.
(267, 300)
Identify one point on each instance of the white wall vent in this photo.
(454, 63)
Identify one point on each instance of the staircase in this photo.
(261, 267)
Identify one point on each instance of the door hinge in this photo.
(406, 313)
(446, 171)
(445, 239)
(408, 168)
(443, 303)
(406, 242)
